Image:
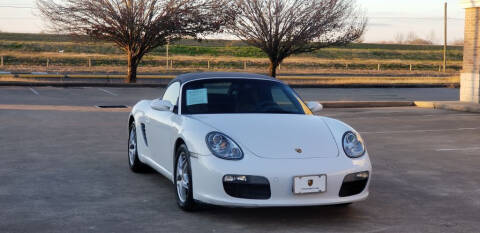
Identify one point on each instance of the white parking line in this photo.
(460, 149)
(108, 92)
(406, 116)
(34, 91)
(420, 131)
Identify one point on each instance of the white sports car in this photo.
(247, 140)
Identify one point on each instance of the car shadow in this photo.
(317, 214)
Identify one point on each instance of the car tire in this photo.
(183, 179)
(133, 161)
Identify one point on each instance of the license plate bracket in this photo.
(310, 184)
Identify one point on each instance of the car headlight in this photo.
(353, 145)
(223, 147)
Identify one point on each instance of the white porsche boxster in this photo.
(246, 140)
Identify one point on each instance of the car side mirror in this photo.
(315, 106)
(161, 105)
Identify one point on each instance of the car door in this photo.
(163, 130)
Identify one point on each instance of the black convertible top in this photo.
(195, 76)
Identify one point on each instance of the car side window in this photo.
(172, 93)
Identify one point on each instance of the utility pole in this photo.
(446, 42)
(168, 44)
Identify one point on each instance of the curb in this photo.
(367, 104)
(353, 85)
(450, 105)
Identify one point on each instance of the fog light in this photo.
(357, 176)
(228, 178)
(362, 175)
(354, 184)
(233, 178)
(241, 178)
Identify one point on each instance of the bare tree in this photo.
(282, 28)
(136, 26)
(432, 37)
(411, 36)
(399, 38)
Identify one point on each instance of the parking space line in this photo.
(34, 91)
(459, 149)
(420, 131)
(344, 116)
(108, 92)
(60, 108)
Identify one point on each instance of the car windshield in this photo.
(227, 96)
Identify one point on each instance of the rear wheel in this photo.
(133, 161)
(183, 180)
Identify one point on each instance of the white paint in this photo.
(459, 149)
(348, 116)
(34, 91)
(108, 92)
(420, 131)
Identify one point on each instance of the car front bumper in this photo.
(208, 173)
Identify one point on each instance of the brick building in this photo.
(470, 77)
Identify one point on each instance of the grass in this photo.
(28, 51)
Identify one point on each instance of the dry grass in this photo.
(201, 58)
(163, 70)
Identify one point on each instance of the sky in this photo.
(387, 18)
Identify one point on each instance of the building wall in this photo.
(470, 77)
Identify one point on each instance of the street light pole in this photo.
(446, 42)
(168, 44)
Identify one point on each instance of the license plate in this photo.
(310, 184)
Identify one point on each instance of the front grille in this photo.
(255, 187)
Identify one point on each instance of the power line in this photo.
(414, 18)
(19, 7)
(18, 18)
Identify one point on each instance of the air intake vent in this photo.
(144, 134)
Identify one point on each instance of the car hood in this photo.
(278, 136)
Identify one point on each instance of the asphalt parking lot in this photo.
(89, 96)
(66, 171)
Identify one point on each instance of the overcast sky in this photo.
(386, 18)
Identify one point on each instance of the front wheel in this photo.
(183, 179)
(133, 161)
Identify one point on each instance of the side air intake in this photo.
(144, 134)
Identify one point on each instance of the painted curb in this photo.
(450, 105)
(366, 104)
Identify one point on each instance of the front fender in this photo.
(338, 129)
(193, 133)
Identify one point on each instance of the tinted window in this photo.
(224, 96)
(172, 93)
